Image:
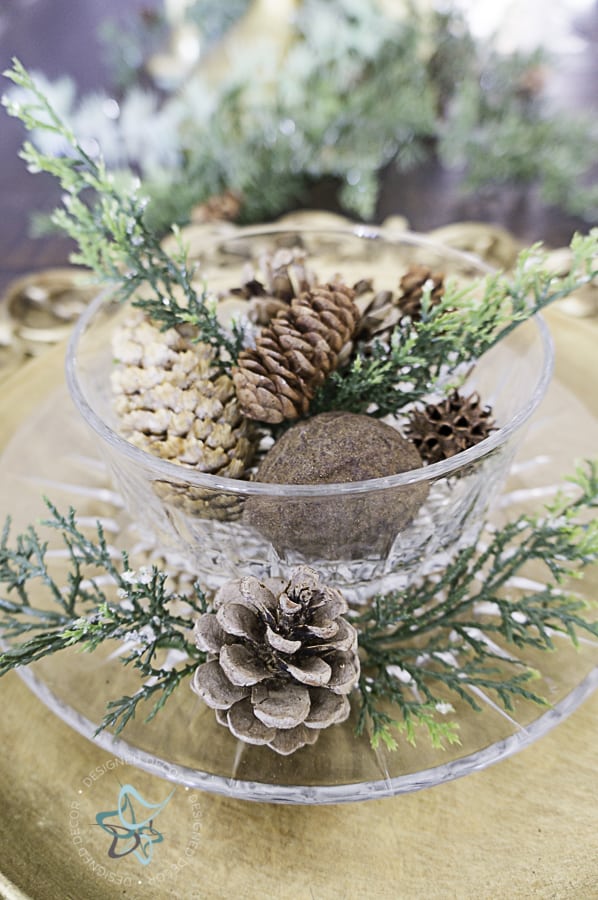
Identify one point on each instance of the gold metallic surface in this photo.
(42, 307)
(523, 828)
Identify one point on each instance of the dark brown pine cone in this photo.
(225, 207)
(281, 659)
(444, 429)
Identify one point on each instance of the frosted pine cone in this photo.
(281, 659)
(444, 429)
(277, 379)
(173, 402)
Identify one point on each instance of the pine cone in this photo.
(379, 311)
(173, 402)
(412, 286)
(281, 659)
(225, 207)
(444, 429)
(293, 354)
(270, 284)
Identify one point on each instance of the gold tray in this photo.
(525, 825)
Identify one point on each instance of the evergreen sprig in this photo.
(452, 335)
(107, 221)
(456, 633)
(136, 610)
(501, 131)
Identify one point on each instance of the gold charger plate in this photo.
(454, 840)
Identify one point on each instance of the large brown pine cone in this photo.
(277, 379)
(281, 659)
(444, 429)
(173, 402)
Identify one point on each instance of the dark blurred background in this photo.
(60, 37)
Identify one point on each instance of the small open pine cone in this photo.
(270, 284)
(412, 285)
(444, 429)
(379, 311)
(281, 659)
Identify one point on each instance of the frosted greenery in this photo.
(356, 91)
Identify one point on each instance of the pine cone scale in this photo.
(242, 667)
(314, 672)
(326, 709)
(239, 620)
(209, 636)
(246, 726)
(344, 672)
(278, 642)
(280, 706)
(215, 688)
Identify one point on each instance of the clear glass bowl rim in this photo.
(165, 470)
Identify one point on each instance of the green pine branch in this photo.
(40, 617)
(435, 639)
(107, 222)
(429, 355)
(418, 646)
(159, 689)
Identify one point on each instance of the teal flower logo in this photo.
(131, 825)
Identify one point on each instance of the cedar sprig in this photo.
(106, 219)
(438, 351)
(110, 229)
(136, 608)
(439, 637)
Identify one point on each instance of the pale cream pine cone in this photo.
(281, 659)
(173, 402)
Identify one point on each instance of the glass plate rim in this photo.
(315, 795)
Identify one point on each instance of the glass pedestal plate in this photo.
(53, 454)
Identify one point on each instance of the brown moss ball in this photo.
(332, 448)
